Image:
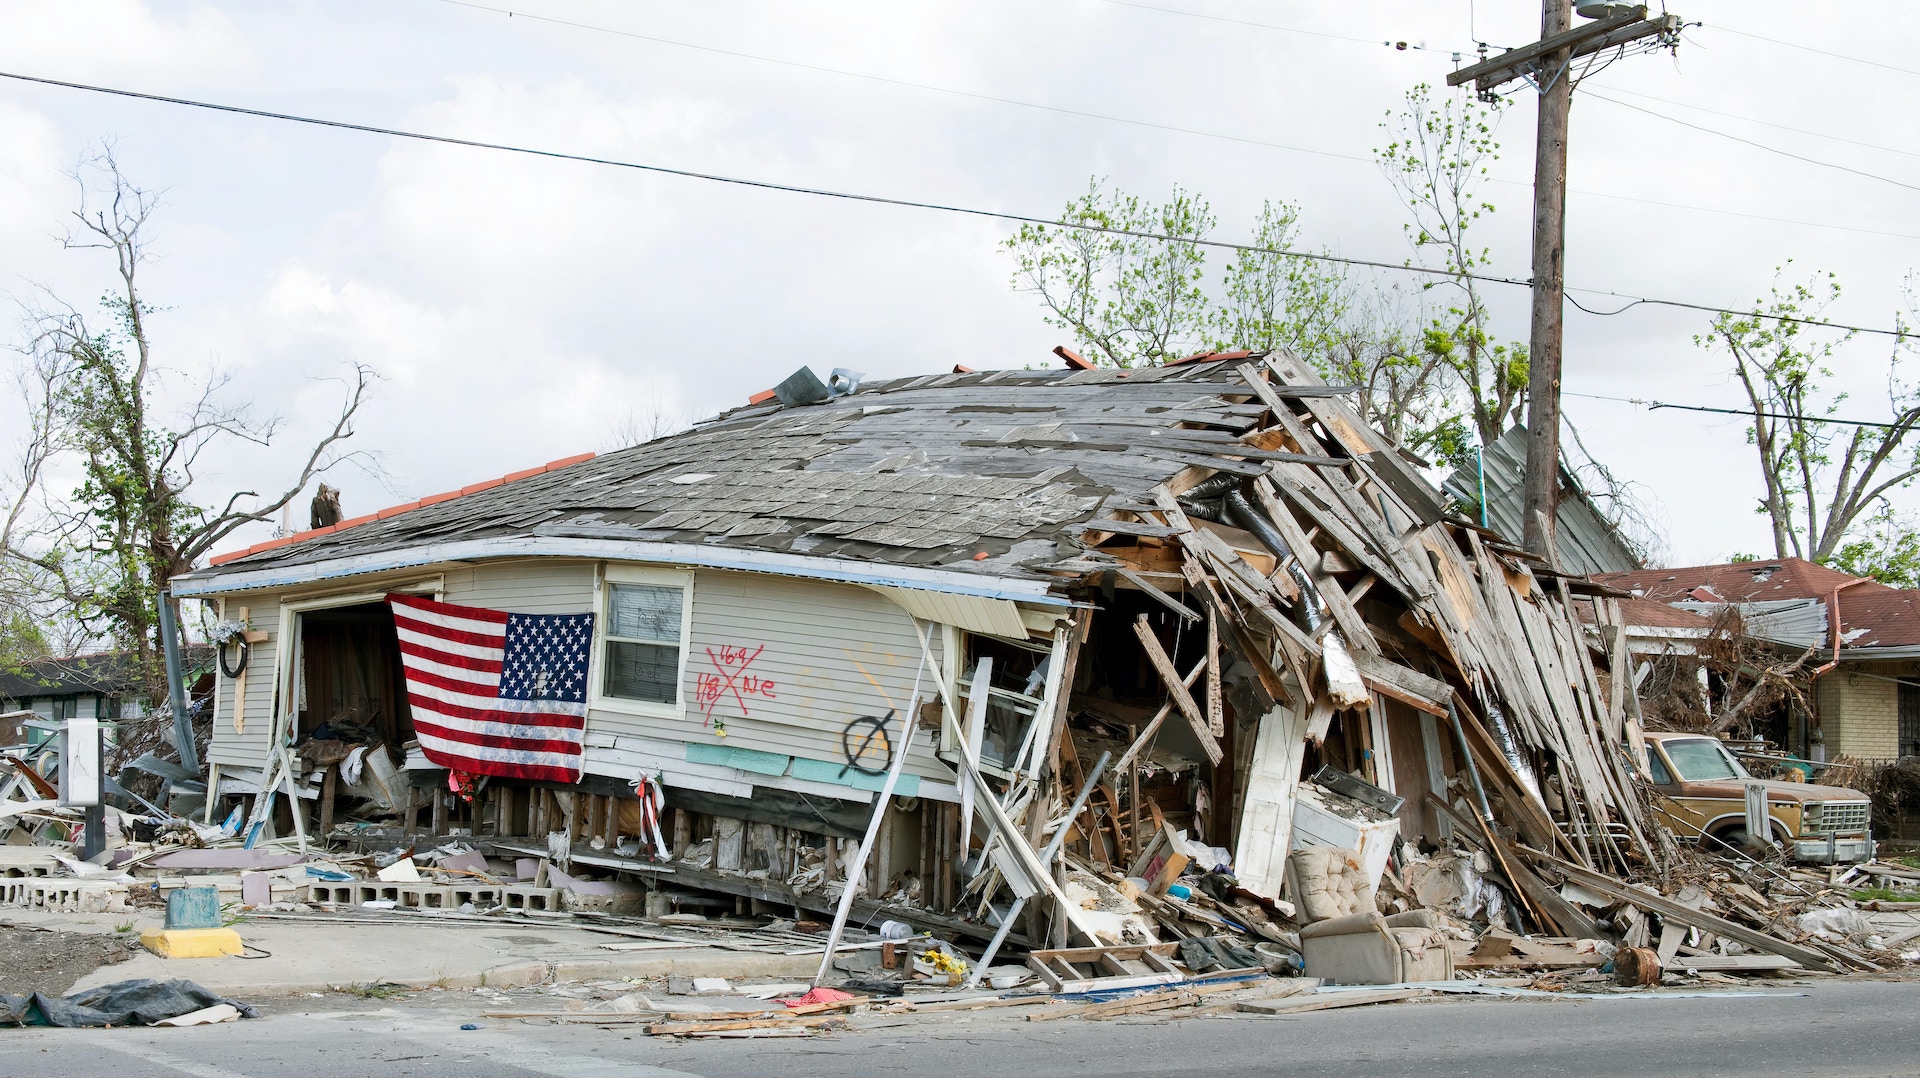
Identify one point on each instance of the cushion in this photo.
(1330, 883)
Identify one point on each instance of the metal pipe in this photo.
(176, 686)
(1480, 466)
(1473, 770)
(1344, 682)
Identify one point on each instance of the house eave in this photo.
(946, 581)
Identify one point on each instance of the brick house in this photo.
(1866, 690)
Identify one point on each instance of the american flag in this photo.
(495, 693)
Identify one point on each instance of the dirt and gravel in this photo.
(42, 960)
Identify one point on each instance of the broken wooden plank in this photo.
(1216, 713)
(1327, 1001)
(673, 1029)
(1731, 963)
(1182, 699)
(1410, 687)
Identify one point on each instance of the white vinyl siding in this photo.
(228, 747)
(805, 658)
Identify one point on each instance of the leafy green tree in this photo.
(1130, 300)
(1826, 485)
(1127, 300)
(1438, 153)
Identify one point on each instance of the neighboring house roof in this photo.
(106, 673)
(1872, 615)
(1661, 616)
(995, 474)
(1583, 541)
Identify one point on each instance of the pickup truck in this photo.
(1702, 796)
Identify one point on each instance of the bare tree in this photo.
(109, 549)
(1823, 481)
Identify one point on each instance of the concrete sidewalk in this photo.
(320, 955)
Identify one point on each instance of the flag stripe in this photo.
(458, 706)
(467, 716)
(442, 635)
(468, 740)
(427, 608)
(439, 657)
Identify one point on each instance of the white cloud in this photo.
(123, 39)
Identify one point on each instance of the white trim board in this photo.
(217, 582)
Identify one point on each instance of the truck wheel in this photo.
(1740, 839)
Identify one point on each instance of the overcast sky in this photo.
(519, 308)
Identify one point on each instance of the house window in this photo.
(643, 638)
(1909, 719)
(63, 708)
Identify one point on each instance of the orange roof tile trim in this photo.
(396, 510)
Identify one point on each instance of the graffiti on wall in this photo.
(732, 678)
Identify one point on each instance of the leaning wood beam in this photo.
(1153, 725)
(1216, 713)
(1176, 688)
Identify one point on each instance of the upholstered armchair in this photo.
(1345, 939)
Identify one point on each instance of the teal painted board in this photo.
(841, 775)
(760, 763)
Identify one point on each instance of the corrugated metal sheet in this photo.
(1797, 622)
(1583, 540)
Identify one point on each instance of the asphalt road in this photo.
(1838, 1028)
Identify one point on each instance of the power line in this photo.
(1756, 145)
(906, 83)
(1654, 406)
(1810, 48)
(1763, 123)
(883, 200)
(1400, 45)
(1105, 117)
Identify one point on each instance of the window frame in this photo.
(604, 580)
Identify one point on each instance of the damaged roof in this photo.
(1872, 615)
(995, 472)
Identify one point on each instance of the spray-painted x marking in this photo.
(729, 680)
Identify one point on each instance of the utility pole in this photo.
(1548, 64)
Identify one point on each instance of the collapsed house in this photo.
(1203, 602)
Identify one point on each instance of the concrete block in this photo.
(531, 899)
(626, 904)
(63, 895)
(192, 942)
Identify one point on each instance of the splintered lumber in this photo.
(1177, 689)
(1731, 963)
(1668, 908)
(1410, 687)
(674, 1029)
(1216, 715)
(1158, 1000)
(1328, 1001)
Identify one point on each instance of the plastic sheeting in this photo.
(123, 1003)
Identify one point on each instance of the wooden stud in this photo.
(328, 788)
